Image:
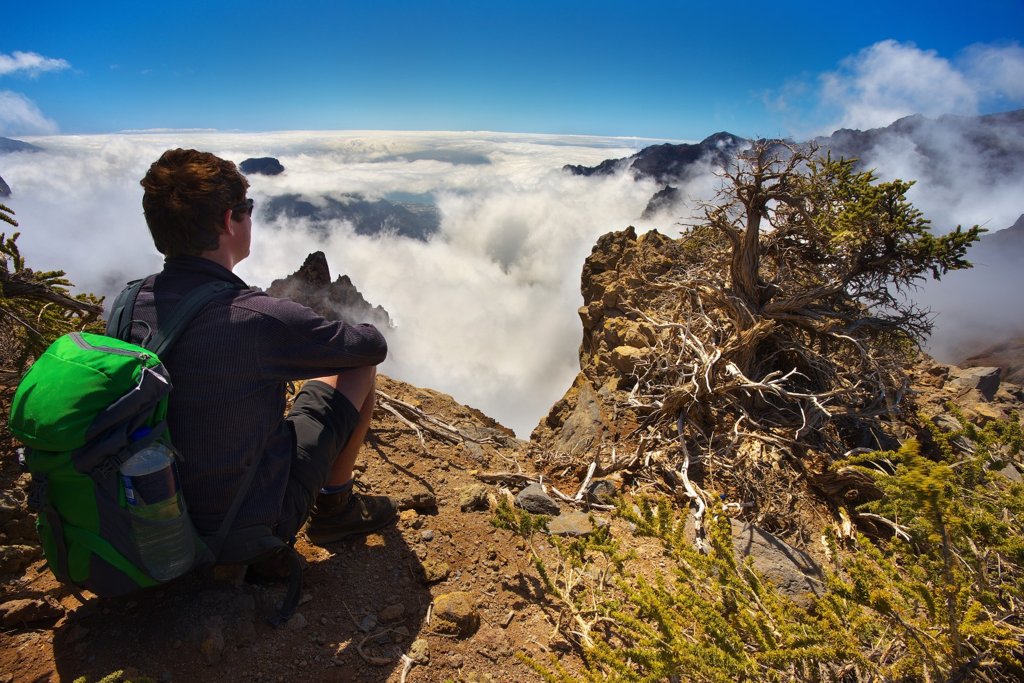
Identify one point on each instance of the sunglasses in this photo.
(243, 207)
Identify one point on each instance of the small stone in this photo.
(602, 491)
(435, 570)
(419, 651)
(1011, 473)
(212, 645)
(408, 516)
(455, 614)
(368, 623)
(427, 535)
(392, 612)
(29, 611)
(473, 497)
(570, 523)
(421, 500)
(297, 622)
(984, 379)
(533, 499)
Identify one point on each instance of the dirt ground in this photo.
(365, 602)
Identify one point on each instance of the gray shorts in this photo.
(322, 420)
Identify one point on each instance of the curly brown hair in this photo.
(186, 194)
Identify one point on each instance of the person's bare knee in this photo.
(356, 384)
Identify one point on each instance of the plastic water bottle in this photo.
(160, 525)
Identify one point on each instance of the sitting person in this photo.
(233, 362)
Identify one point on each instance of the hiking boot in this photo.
(339, 515)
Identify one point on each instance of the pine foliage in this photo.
(36, 307)
(941, 598)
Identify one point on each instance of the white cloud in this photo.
(997, 71)
(890, 80)
(31, 63)
(486, 310)
(20, 116)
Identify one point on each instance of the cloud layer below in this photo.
(486, 309)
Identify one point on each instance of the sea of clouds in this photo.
(485, 309)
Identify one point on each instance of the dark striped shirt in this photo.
(229, 369)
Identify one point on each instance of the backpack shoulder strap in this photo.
(119, 324)
(184, 312)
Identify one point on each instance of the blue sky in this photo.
(675, 70)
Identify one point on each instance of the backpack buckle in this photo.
(37, 493)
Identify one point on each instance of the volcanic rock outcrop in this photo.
(624, 290)
(667, 162)
(339, 300)
(261, 166)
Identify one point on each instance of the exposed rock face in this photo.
(368, 217)
(261, 166)
(662, 199)
(613, 339)
(311, 285)
(993, 142)
(5, 189)
(668, 162)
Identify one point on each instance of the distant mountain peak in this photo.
(311, 286)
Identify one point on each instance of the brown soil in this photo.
(364, 601)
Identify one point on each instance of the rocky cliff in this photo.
(601, 421)
(339, 300)
(993, 144)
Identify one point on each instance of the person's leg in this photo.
(357, 386)
(339, 512)
(331, 418)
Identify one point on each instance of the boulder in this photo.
(533, 499)
(26, 611)
(984, 379)
(790, 570)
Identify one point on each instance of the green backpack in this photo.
(86, 405)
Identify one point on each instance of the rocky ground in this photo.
(457, 597)
(443, 586)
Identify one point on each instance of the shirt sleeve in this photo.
(294, 342)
